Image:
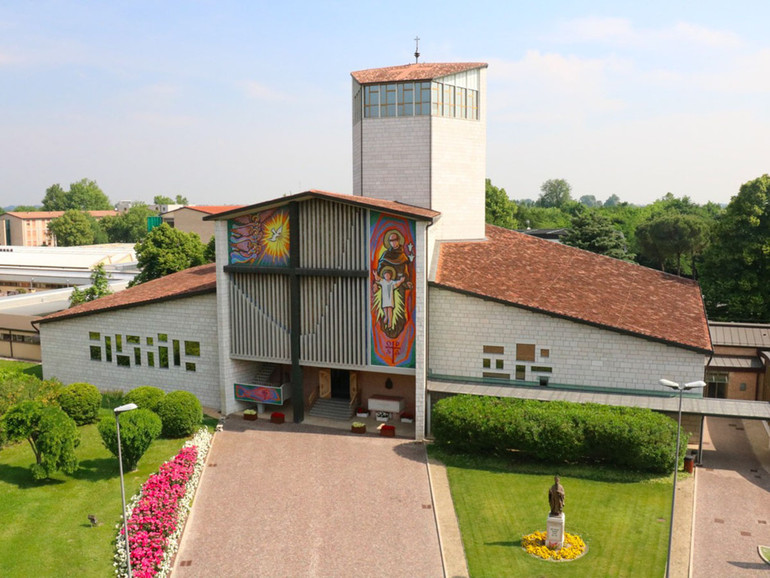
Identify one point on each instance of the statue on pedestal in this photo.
(556, 498)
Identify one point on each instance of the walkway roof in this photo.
(706, 406)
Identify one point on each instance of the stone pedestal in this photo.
(554, 532)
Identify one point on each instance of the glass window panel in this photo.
(177, 354)
(94, 335)
(96, 352)
(151, 359)
(499, 364)
(521, 372)
(137, 356)
(486, 363)
(163, 337)
(150, 341)
(108, 348)
(133, 339)
(123, 360)
(163, 357)
(189, 366)
(192, 348)
(119, 343)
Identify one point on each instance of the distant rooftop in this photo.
(740, 334)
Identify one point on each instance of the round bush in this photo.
(138, 429)
(81, 401)
(181, 414)
(145, 396)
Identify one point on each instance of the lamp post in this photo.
(118, 411)
(681, 389)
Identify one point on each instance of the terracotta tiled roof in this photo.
(56, 214)
(209, 209)
(419, 71)
(193, 281)
(555, 279)
(395, 207)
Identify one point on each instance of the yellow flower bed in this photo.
(573, 548)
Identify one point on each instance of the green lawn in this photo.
(622, 517)
(44, 528)
(30, 367)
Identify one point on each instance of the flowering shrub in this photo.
(573, 548)
(156, 515)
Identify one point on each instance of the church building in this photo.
(393, 296)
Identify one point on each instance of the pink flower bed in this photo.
(155, 516)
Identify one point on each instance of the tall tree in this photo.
(735, 275)
(589, 201)
(100, 286)
(165, 250)
(128, 227)
(76, 228)
(592, 231)
(554, 193)
(84, 195)
(164, 200)
(669, 237)
(499, 209)
(50, 432)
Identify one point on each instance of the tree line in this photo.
(726, 249)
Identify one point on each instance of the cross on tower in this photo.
(416, 49)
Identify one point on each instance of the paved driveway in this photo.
(299, 500)
(732, 502)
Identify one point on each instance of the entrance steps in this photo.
(337, 409)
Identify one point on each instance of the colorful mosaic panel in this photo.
(392, 279)
(260, 239)
(259, 393)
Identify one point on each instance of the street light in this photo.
(681, 389)
(118, 411)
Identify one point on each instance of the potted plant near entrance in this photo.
(250, 414)
(358, 427)
(362, 412)
(387, 431)
(277, 417)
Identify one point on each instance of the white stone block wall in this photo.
(420, 316)
(579, 354)
(65, 347)
(394, 158)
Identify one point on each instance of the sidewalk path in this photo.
(732, 502)
(299, 500)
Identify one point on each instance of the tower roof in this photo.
(419, 71)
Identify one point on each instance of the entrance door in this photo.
(340, 384)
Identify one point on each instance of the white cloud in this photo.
(622, 33)
(262, 92)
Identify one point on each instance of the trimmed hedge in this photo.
(181, 414)
(558, 431)
(138, 429)
(145, 396)
(81, 401)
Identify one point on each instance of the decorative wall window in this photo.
(525, 352)
(521, 372)
(486, 363)
(134, 350)
(541, 369)
(492, 375)
(192, 348)
(545, 353)
(499, 364)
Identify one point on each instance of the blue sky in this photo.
(235, 102)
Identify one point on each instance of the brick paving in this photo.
(302, 500)
(732, 501)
